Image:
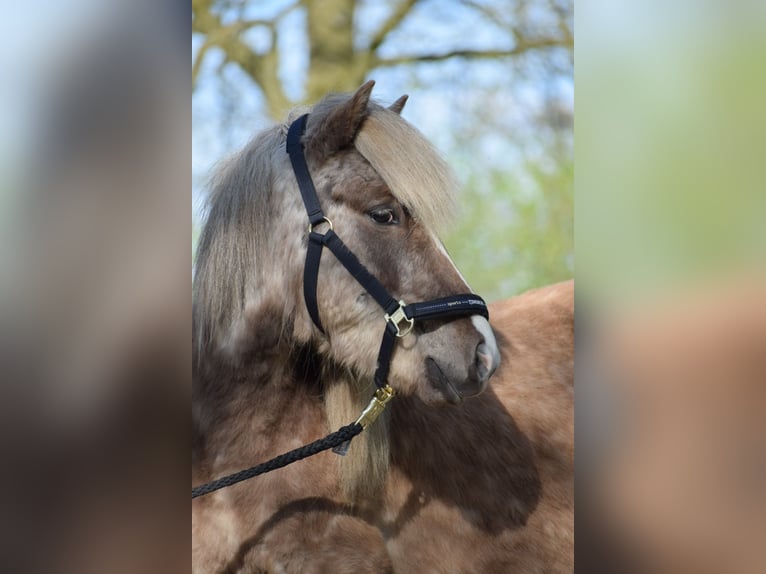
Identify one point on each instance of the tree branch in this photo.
(486, 11)
(197, 63)
(396, 17)
(520, 48)
(262, 68)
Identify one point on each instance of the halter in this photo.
(399, 316)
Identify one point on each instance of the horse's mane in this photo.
(237, 209)
(241, 207)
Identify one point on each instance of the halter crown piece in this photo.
(400, 317)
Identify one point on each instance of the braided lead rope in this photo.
(338, 441)
(339, 437)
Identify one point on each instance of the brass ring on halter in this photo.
(400, 321)
(320, 222)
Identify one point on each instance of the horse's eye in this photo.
(384, 216)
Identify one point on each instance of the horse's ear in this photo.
(398, 105)
(339, 128)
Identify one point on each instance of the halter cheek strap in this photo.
(400, 317)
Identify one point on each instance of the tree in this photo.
(493, 80)
(343, 48)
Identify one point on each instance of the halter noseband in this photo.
(400, 317)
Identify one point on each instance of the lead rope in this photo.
(340, 437)
(400, 320)
(334, 440)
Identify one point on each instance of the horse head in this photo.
(387, 193)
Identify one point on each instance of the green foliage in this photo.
(515, 231)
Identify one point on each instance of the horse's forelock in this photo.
(411, 167)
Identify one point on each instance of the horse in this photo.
(457, 474)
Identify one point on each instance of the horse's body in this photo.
(488, 486)
(484, 486)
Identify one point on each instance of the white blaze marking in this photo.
(440, 247)
(479, 322)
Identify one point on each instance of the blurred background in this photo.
(670, 206)
(491, 85)
(670, 405)
(94, 286)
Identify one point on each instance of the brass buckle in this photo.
(398, 318)
(377, 405)
(324, 220)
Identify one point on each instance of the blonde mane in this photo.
(233, 236)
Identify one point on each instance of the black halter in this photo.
(400, 317)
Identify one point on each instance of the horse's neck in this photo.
(267, 394)
(464, 456)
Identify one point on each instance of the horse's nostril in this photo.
(485, 362)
